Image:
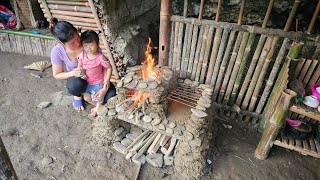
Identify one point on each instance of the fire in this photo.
(148, 64)
(140, 96)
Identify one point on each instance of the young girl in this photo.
(92, 61)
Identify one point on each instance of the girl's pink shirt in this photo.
(93, 68)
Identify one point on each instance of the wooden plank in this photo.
(306, 145)
(314, 114)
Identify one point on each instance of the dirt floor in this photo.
(56, 142)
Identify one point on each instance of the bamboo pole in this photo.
(21, 33)
(219, 56)
(280, 84)
(218, 11)
(230, 67)
(240, 17)
(309, 73)
(309, 39)
(164, 32)
(46, 7)
(77, 14)
(193, 50)
(241, 69)
(273, 74)
(201, 55)
(236, 67)
(255, 56)
(292, 15)
(275, 124)
(224, 63)
(179, 46)
(109, 55)
(197, 54)
(304, 70)
(255, 76)
(71, 3)
(299, 68)
(315, 76)
(67, 8)
(171, 45)
(206, 55)
(185, 8)
(201, 9)
(175, 49)
(16, 12)
(186, 50)
(70, 17)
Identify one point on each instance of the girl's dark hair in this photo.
(62, 30)
(89, 36)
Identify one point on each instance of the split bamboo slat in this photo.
(224, 63)
(230, 67)
(179, 46)
(219, 56)
(299, 68)
(304, 70)
(194, 42)
(197, 54)
(175, 49)
(171, 45)
(186, 50)
(201, 55)
(206, 55)
(236, 67)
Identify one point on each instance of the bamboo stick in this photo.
(315, 76)
(241, 69)
(223, 65)
(304, 70)
(109, 55)
(17, 14)
(201, 55)
(251, 69)
(84, 28)
(186, 50)
(218, 11)
(189, 45)
(172, 36)
(266, 49)
(67, 8)
(197, 54)
(214, 53)
(33, 22)
(77, 14)
(179, 46)
(70, 17)
(299, 68)
(219, 57)
(243, 2)
(230, 67)
(175, 50)
(292, 15)
(70, 3)
(309, 39)
(236, 66)
(45, 6)
(273, 74)
(274, 125)
(164, 32)
(201, 9)
(185, 8)
(206, 55)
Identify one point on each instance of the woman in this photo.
(65, 54)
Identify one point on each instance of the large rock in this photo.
(156, 160)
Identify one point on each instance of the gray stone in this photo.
(120, 84)
(169, 131)
(154, 115)
(156, 160)
(126, 142)
(195, 83)
(130, 74)
(180, 127)
(196, 142)
(152, 85)
(119, 147)
(168, 160)
(112, 112)
(142, 85)
(147, 119)
(200, 108)
(132, 136)
(118, 131)
(102, 111)
(127, 80)
(136, 130)
(205, 99)
(119, 109)
(162, 127)
(203, 103)
(46, 160)
(156, 121)
(188, 135)
(43, 105)
(187, 81)
(177, 132)
(172, 125)
(131, 116)
(140, 160)
(204, 86)
(199, 113)
(133, 84)
(165, 121)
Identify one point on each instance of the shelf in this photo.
(306, 111)
(309, 146)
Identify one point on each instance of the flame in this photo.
(140, 96)
(148, 64)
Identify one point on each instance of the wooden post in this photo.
(277, 119)
(109, 55)
(164, 33)
(314, 18)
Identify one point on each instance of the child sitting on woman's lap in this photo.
(93, 62)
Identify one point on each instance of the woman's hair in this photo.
(89, 37)
(62, 30)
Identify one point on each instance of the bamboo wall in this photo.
(26, 44)
(241, 63)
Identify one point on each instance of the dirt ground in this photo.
(56, 142)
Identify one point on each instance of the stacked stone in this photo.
(190, 156)
(126, 140)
